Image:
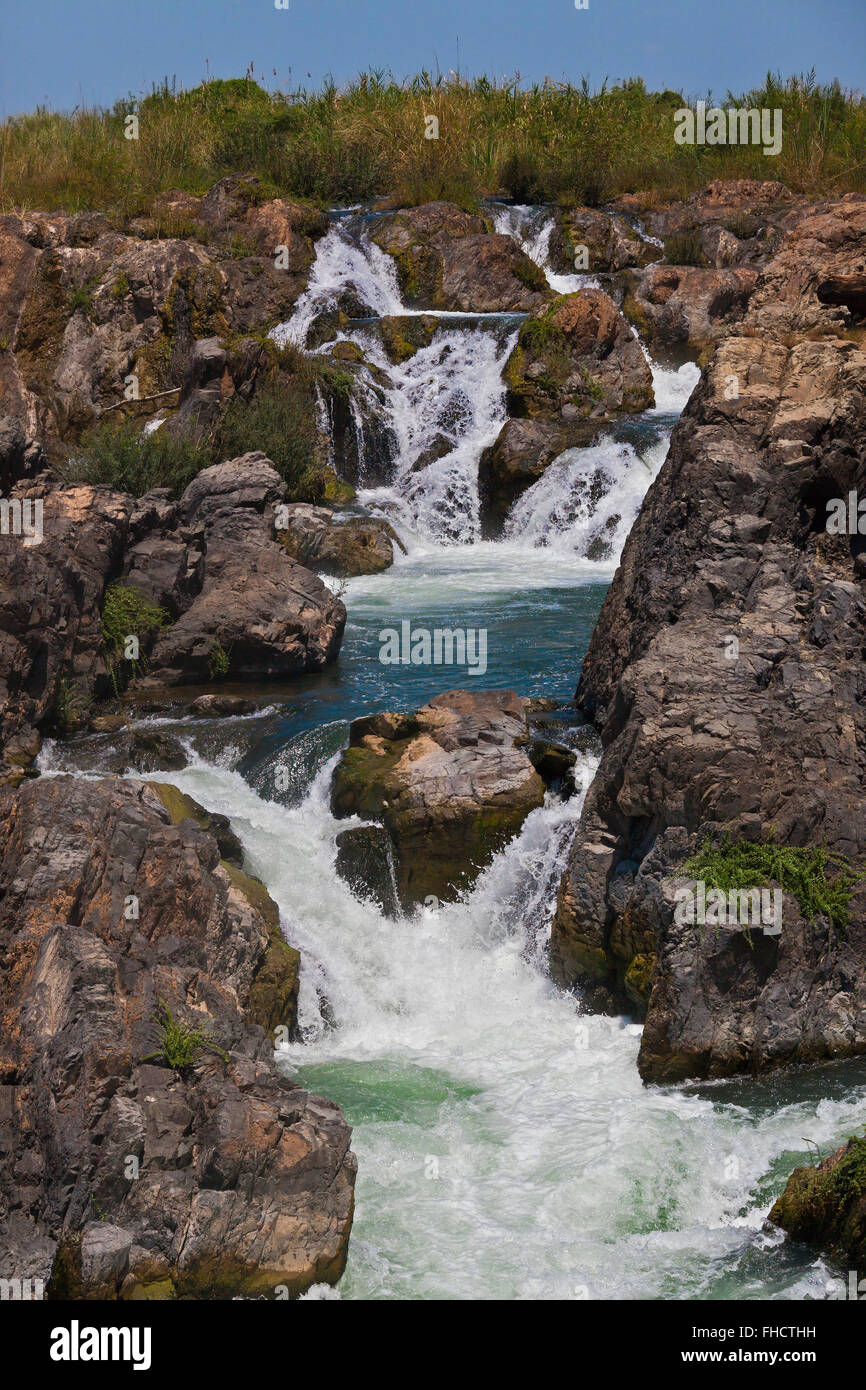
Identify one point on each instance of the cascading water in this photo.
(506, 1146)
(532, 229)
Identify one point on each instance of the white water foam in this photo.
(532, 227)
(506, 1146)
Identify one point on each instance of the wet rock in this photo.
(242, 1182)
(221, 706)
(451, 785)
(577, 360)
(365, 860)
(182, 807)
(333, 544)
(521, 453)
(447, 259)
(610, 242)
(825, 1206)
(147, 750)
(725, 681)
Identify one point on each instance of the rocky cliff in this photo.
(150, 1147)
(726, 678)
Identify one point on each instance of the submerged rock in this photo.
(451, 785)
(724, 676)
(212, 1175)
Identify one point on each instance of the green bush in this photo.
(280, 419)
(821, 882)
(118, 454)
(685, 248)
(127, 613)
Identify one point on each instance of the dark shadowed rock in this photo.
(365, 860)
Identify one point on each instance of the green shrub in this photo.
(280, 419)
(178, 1044)
(127, 613)
(118, 454)
(219, 662)
(685, 248)
(821, 882)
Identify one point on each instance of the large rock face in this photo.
(447, 259)
(51, 592)
(689, 305)
(725, 678)
(124, 1177)
(257, 611)
(451, 784)
(235, 603)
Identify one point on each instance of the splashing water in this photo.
(506, 1146)
(532, 228)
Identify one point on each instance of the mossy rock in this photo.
(403, 336)
(637, 981)
(825, 1206)
(273, 998)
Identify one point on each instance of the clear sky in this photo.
(64, 53)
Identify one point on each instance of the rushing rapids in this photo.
(506, 1145)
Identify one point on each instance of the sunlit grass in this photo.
(341, 145)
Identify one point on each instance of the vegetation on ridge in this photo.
(548, 141)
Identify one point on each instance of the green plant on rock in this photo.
(178, 1044)
(822, 882)
(127, 613)
(280, 420)
(118, 454)
(219, 662)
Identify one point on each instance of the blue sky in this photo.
(64, 53)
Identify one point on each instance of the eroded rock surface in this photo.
(760, 737)
(123, 1176)
(448, 259)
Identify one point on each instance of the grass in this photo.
(280, 420)
(804, 873)
(555, 140)
(127, 613)
(178, 1044)
(685, 248)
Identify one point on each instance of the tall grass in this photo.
(542, 142)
